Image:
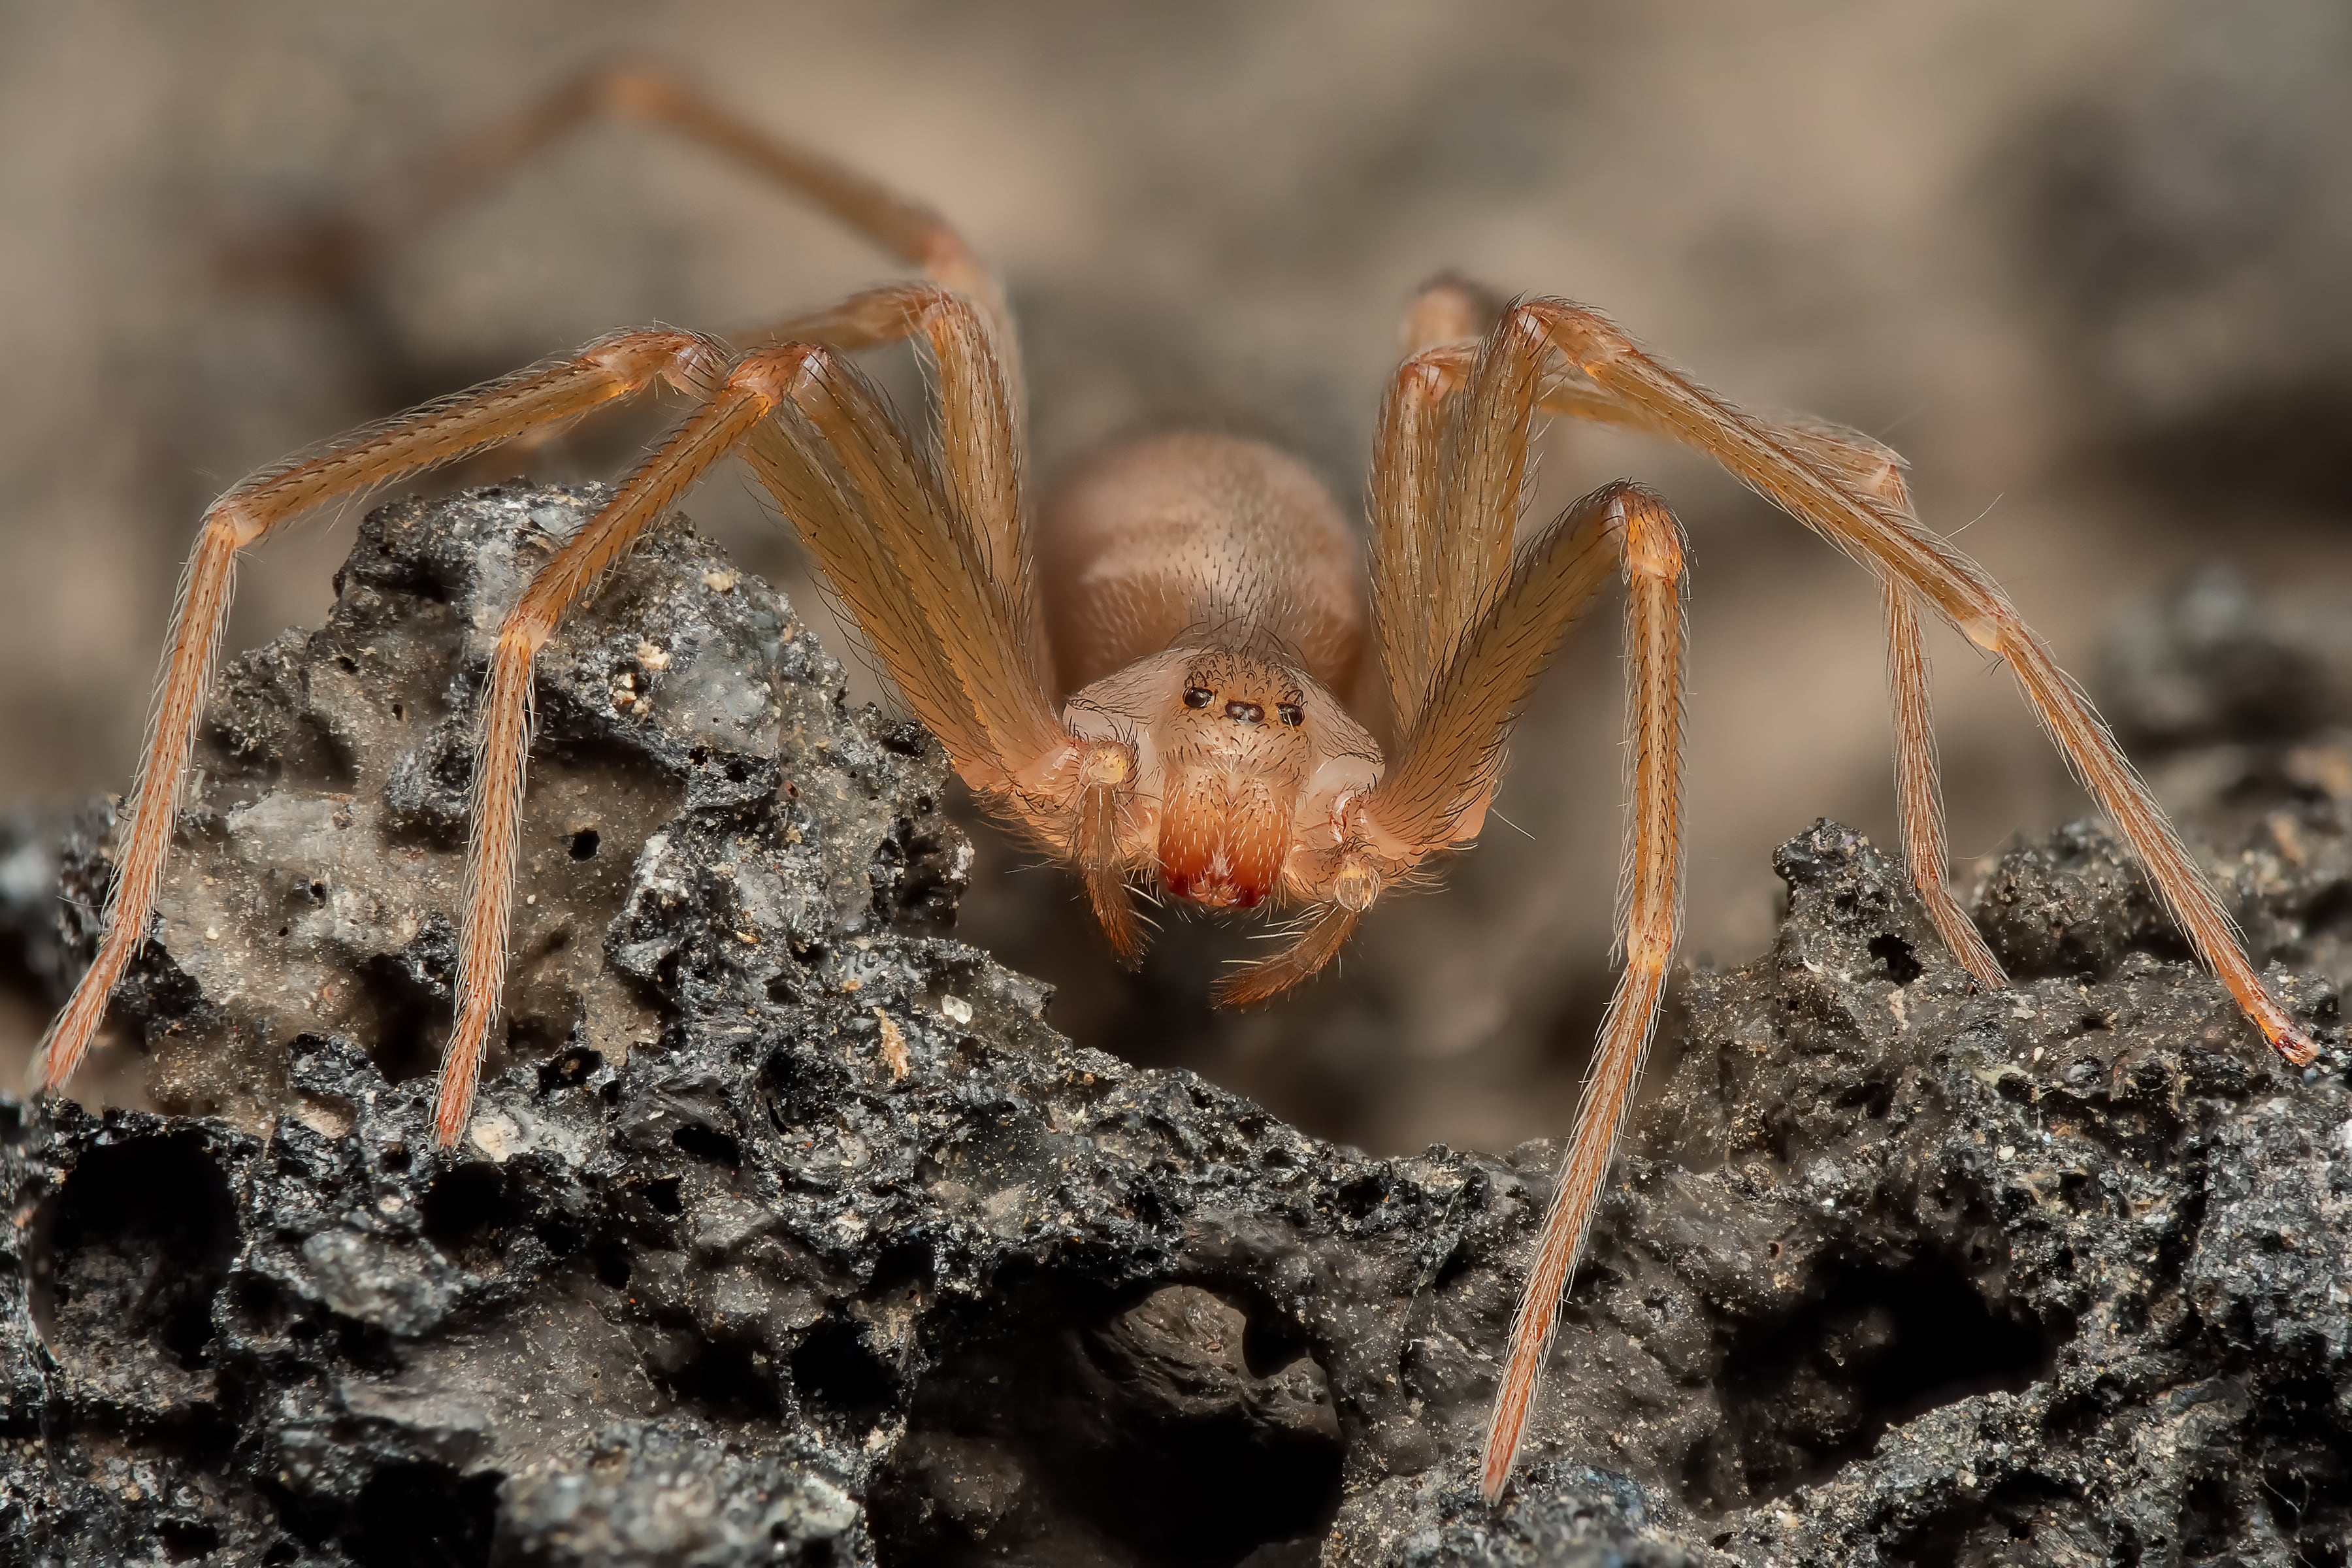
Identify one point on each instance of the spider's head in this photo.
(1250, 710)
(1234, 751)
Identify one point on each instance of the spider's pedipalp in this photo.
(1105, 781)
(1320, 943)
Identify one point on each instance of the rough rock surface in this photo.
(788, 1231)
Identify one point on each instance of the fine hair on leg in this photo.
(431, 437)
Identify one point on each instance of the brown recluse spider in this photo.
(1150, 677)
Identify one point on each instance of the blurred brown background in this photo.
(2083, 264)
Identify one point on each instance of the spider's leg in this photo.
(647, 92)
(1407, 492)
(754, 389)
(910, 566)
(422, 438)
(1871, 474)
(1435, 787)
(900, 546)
(1444, 499)
(979, 421)
(1652, 900)
(1895, 547)
(1921, 796)
(1448, 309)
(935, 570)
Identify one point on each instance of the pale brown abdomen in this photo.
(1198, 538)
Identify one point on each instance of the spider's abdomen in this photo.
(1200, 538)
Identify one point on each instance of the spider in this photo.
(1150, 676)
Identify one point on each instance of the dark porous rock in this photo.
(788, 1231)
(661, 1495)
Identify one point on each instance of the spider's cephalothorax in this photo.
(1154, 680)
(1214, 580)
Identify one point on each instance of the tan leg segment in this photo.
(750, 393)
(1773, 465)
(1408, 493)
(909, 562)
(1920, 797)
(1440, 333)
(426, 437)
(646, 92)
(1448, 309)
(980, 436)
(1871, 476)
(913, 572)
(1654, 641)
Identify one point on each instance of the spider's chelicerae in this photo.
(1153, 675)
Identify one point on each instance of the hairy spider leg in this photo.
(1850, 489)
(1919, 792)
(1868, 472)
(908, 554)
(426, 437)
(1799, 470)
(648, 92)
(979, 412)
(1872, 473)
(1894, 545)
(1871, 476)
(1441, 478)
(1407, 502)
(900, 546)
(751, 392)
(1448, 309)
(1650, 901)
(899, 543)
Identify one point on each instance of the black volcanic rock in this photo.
(788, 1231)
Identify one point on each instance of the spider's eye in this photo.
(1291, 713)
(1198, 697)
